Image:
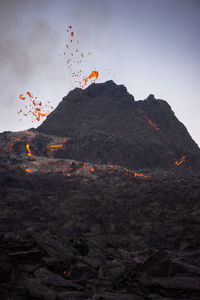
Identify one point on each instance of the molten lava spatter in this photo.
(22, 97)
(34, 109)
(182, 160)
(94, 75)
(75, 59)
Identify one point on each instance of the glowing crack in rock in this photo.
(129, 172)
(148, 120)
(182, 160)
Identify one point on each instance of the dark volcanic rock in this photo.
(76, 230)
(106, 125)
(107, 236)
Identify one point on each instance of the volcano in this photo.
(107, 126)
(101, 202)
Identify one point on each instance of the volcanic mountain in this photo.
(106, 126)
(100, 202)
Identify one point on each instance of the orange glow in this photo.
(129, 172)
(40, 115)
(56, 146)
(35, 109)
(148, 120)
(153, 124)
(182, 160)
(28, 149)
(21, 97)
(11, 145)
(74, 56)
(29, 94)
(140, 175)
(92, 169)
(28, 170)
(36, 164)
(94, 74)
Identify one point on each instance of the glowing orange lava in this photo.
(29, 94)
(21, 97)
(34, 109)
(56, 146)
(94, 75)
(28, 149)
(129, 172)
(140, 175)
(148, 120)
(182, 160)
(75, 57)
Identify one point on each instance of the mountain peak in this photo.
(151, 97)
(106, 125)
(108, 88)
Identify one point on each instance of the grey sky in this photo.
(151, 46)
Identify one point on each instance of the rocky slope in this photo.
(100, 233)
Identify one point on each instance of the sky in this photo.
(150, 46)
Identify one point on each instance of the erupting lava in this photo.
(21, 97)
(94, 74)
(182, 160)
(34, 108)
(76, 58)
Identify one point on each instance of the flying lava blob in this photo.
(94, 75)
(33, 108)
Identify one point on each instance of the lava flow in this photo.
(56, 146)
(182, 160)
(129, 172)
(148, 120)
(53, 147)
(28, 149)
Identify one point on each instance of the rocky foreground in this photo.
(73, 230)
(101, 202)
